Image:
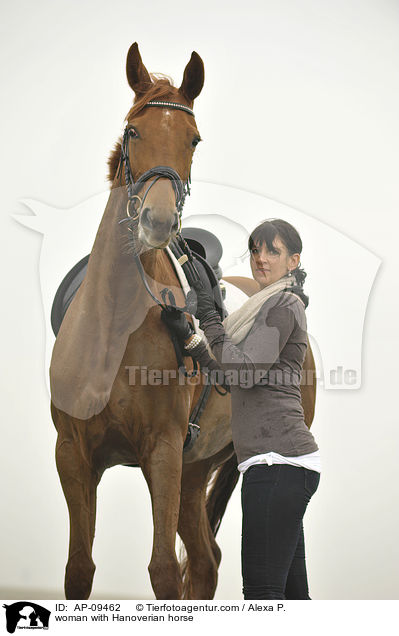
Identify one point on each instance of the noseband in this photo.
(180, 187)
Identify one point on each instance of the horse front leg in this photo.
(79, 483)
(162, 467)
(203, 553)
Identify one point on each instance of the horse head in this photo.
(157, 148)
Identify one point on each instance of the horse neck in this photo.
(112, 269)
(113, 277)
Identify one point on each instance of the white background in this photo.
(299, 105)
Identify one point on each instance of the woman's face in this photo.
(268, 267)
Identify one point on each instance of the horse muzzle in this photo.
(157, 226)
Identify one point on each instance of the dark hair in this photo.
(266, 232)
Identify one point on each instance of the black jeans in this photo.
(274, 499)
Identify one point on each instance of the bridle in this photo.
(180, 187)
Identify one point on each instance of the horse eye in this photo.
(133, 133)
(196, 141)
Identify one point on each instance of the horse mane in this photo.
(162, 86)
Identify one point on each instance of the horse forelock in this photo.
(162, 87)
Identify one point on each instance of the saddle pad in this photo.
(66, 291)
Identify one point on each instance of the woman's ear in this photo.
(294, 261)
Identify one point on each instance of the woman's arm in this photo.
(261, 348)
(247, 285)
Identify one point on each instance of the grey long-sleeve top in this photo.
(264, 373)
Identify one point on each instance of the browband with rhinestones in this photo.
(173, 105)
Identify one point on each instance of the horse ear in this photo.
(193, 78)
(137, 75)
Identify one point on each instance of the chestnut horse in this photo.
(104, 409)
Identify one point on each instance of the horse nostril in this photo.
(145, 219)
(150, 221)
(175, 225)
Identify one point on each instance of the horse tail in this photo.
(222, 484)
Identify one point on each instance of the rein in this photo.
(181, 190)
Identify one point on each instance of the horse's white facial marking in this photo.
(166, 119)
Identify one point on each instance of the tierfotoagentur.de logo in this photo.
(26, 615)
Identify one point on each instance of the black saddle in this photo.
(206, 250)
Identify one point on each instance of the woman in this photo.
(260, 348)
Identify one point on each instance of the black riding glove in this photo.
(178, 324)
(205, 305)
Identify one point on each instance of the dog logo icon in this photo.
(26, 615)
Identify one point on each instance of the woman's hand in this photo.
(205, 304)
(178, 323)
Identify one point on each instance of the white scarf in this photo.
(238, 324)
